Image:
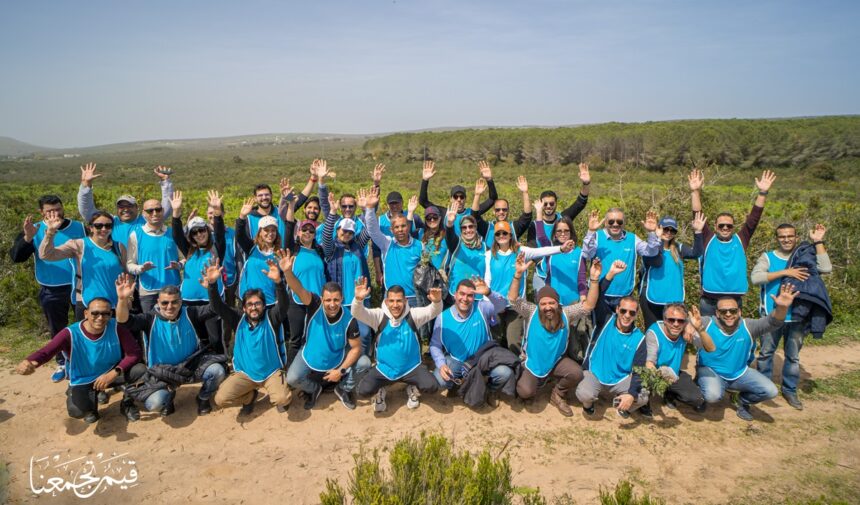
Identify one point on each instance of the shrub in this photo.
(624, 495)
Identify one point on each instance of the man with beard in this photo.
(727, 366)
(264, 207)
(546, 337)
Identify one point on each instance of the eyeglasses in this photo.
(102, 226)
(562, 231)
(153, 210)
(467, 227)
(95, 314)
(624, 312)
(459, 196)
(165, 303)
(675, 320)
(347, 207)
(725, 226)
(505, 209)
(198, 231)
(670, 230)
(253, 304)
(502, 233)
(727, 312)
(613, 222)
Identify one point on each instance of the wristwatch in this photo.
(343, 371)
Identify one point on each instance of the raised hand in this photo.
(486, 171)
(273, 273)
(480, 187)
(214, 199)
(88, 174)
(699, 221)
(361, 199)
(451, 215)
(595, 222)
(522, 184)
(362, 289)
(53, 220)
(584, 174)
(480, 286)
(429, 170)
(650, 222)
(247, 207)
(285, 260)
(176, 203)
(798, 273)
(163, 172)
(323, 171)
(332, 203)
(568, 246)
(29, 228)
(617, 267)
(787, 294)
(211, 273)
(286, 187)
(412, 204)
(124, 286)
(817, 233)
(696, 179)
(376, 173)
(522, 266)
(372, 197)
(767, 179)
(695, 317)
(595, 270)
(537, 208)
(434, 295)
(193, 213)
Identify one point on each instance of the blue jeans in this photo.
(498, 376)
(792, 336)
(752, 385)
(301, 376)
(213, 376)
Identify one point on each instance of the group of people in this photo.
(282, 304)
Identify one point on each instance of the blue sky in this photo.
(80, 73)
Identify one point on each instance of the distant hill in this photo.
(12, 147)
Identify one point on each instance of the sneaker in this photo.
(412, 395)
(91, 417)
(103, 397)
(311, 398)
(560, 403)
(168, 409)
(645, 411)
(623, 414)
(129, 409)
(589, 411)
(744, 412)
(347, 398)
(701, 408)
(793, 400)
(249, 407)
(59, 374)
(492, 399)
(379, 404)
(203, 406)
(669, 402)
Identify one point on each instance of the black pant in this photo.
(210, 330)
(81, 400)
(421, 378)
(651, 312)
(685, 390)
(55, 302)
(296, 316)
(147, 302)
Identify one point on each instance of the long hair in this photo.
(97, 214)
(569, 223)
(515, 245)
(192, 244)
(258, 241)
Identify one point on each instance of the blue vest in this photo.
(669, 352)
(160, 250)
(466, 262)
(258, 353)
(171, 342)
(398, 263)
(229, 261)
(462, 339)
(543, 238)
(724, 267)
(99, 270)
(254, 277)
(775, 263)
(191, 289)
(398, 350)
(502, 270)
(542, 348)
(326, 341)
(91, 359)
(611, 355)
(121, 230)
(608, 251)
(459, 218)
(438, 255)
(352, 267)
(310, 271)
(665, 284)
(62, 272)
(729, 360)
(562, 274)
(254, 223)
(385, 225)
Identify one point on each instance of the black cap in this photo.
(394, 197)
(458, 189)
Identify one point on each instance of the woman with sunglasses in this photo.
(467, 250)
(663, 281)
(566, 272)
(99, 259)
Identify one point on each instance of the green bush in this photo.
(623, 495)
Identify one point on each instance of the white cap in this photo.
(266, 221)
(346, 224)
(197, 222)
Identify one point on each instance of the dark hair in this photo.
(49, 200)
(396, 289)
(98, 299)
(569, 223)
(673, 306)
(721, 214)
(547, 193)
(785, 226)
(332, 287)
(312, 199)
(253, 293)
(465, 283)
(260, 186)
(732, 298)
(97, 214)
(170, 290)
(628, 298)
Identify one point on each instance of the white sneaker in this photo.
(379, 404)
(412, 394)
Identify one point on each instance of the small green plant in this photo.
(624, 495)
(652, 380)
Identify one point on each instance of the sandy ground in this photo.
(286, 458)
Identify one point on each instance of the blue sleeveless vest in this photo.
(160, 251)
(463, 339)
(465, 263)
(121, 230)
(326, 342)
(171, 342)
(229, 261)
(310, 271)
(258, 353)
(608, 251)
(62, 272)
(562, 274)
(399, 262)
(775, 263)
(669, 352)
(99, 270)
(253, 277)
(665, 284)
(611, 358)
(191, 289)
(724, 267)
(254, 223)
(729, 360)
(502, 271)
(91, 359)
(398, 351)
(544, 349)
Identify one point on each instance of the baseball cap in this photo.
(197, 222)
(266, 221)
(668, 222)
(307, 222)
(394, 197)
(458, 189)
(502, 226)
(431, 211)
(127, 198)
(346, 224)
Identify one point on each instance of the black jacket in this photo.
(490, 355)
(812, 305)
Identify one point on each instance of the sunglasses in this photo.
(95, 314)
(198, 231)
(459, 196)
(153, 210)
(725, 226)
(670, 230)
(501, 210)
(102, 226)
(467, 227)
(562, 231)
(727, 312)
(347, 207)
(166, 303)
(675, 320)
(502, 233)
(624, 312)
(308, 229)
(431, 217)
(613, 222)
